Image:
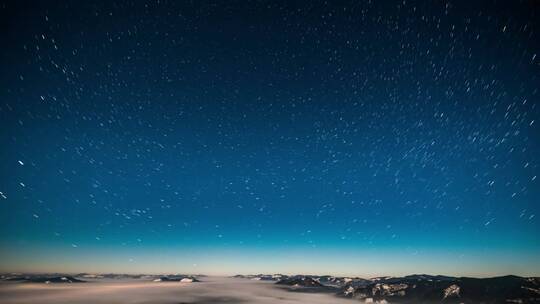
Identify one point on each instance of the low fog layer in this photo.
(211, 290)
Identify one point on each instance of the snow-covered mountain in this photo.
(43, 279)
(440, 289)
(300, 281)
(422, 288)
(176, 278)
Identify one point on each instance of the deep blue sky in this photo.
(367, 139)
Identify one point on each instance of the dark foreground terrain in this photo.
(415, 289)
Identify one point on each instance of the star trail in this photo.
(367, 138)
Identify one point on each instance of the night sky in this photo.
(375, 138)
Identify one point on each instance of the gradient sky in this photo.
(265, 136)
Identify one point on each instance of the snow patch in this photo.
(451, 291)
